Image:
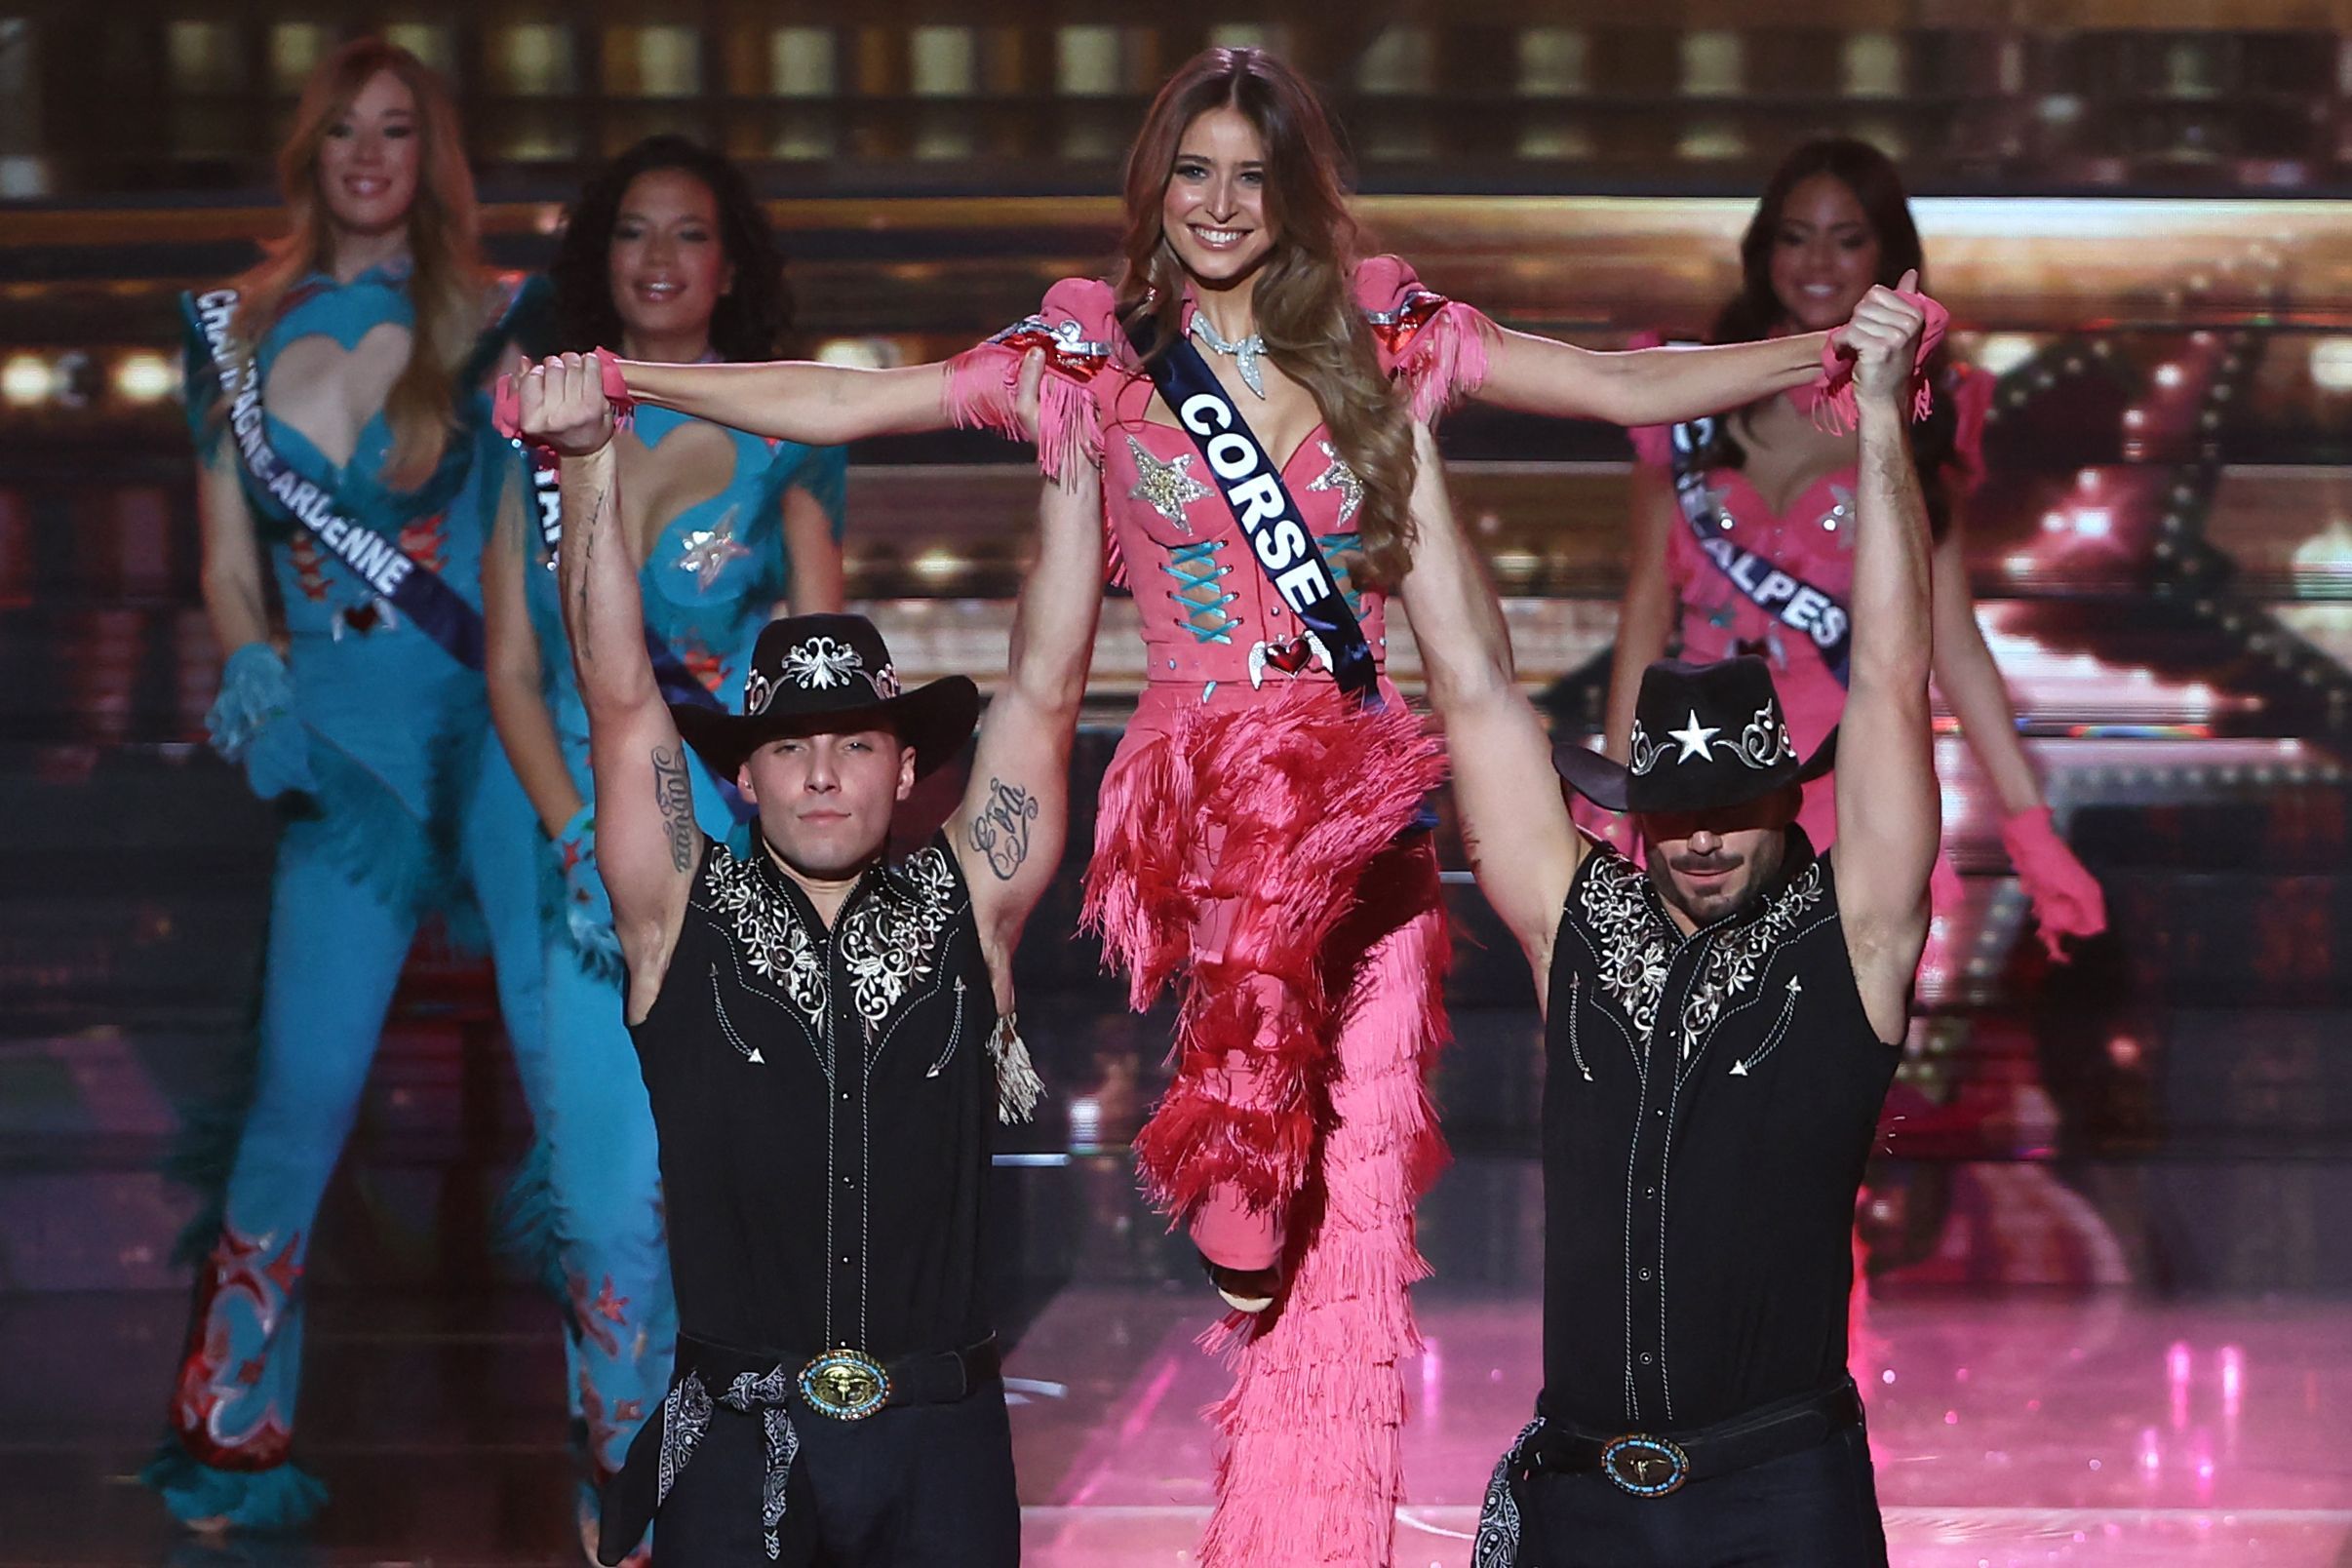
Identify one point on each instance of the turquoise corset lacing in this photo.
(1195, 566)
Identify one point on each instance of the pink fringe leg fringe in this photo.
(1311, 1468)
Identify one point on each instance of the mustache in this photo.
(1706, 864)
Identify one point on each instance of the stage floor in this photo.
(2035, 1429)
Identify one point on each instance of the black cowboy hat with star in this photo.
(1705, 736)
(828, 675)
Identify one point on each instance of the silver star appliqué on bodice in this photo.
(708, 551)
(1340, 478)
(1166, 487)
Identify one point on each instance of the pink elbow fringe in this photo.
(983, 393)
(1832, 396)
(1446, 359)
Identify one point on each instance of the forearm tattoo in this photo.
(584, 597)
(1001, 828)
(675, 793)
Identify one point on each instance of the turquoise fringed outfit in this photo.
(374, 739)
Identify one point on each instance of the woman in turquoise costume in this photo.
(668, 257)
(334, 393)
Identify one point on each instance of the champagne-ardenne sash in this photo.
(1279, 540)
(285, 495)
(1782, 594)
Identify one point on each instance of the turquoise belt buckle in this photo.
(1646, 1467)
(844, 1384)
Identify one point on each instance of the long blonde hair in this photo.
(1305, 309)
(447, 284)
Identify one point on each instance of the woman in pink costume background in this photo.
(1260, 842)
(1832, 222)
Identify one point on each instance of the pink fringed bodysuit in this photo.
(1255, 847)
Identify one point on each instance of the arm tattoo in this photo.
(582, 599)
(1001, 828)
(675, 793)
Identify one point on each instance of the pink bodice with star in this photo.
(1215, 629)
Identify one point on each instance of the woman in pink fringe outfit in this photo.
(1261, 842)
(1833, 221)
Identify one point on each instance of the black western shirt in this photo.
(825, 1101)
(1709, 1102)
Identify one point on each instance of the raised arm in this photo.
(648, 842)
(1523, 846)
(1888, 818)
(1010, 830)
(799, 399)
(1645, 386)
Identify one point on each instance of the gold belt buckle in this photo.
(1646, 1467)
(844, 1384)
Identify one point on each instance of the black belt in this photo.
(1653, 1465)
(843, 1383)
(840, 1383)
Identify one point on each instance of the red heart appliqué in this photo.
(1289, 657)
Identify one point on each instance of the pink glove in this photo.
(506, 403)
(2067, 898)
(1830, 400)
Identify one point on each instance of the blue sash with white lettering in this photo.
(1279, 540)
(1782, 594)
(282, 493)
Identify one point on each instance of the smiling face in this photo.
(667, 265)
(1213, 208)
(368, 162)
(1824, 253)
(1707, 864)
(826, 801)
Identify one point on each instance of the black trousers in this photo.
(1818, 1509)
(917, 1486)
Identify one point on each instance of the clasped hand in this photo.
(1883, 338)
(560, 403)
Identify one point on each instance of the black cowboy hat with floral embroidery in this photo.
(828, 675)
(1705, 736)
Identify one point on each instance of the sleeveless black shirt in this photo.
(1709, 1105)
(825, 1103)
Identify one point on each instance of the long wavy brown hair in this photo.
(1756, 311)
(447, 284)
(1304, 308)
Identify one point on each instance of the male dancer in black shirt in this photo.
(1721, 1031)
(827, 1039)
